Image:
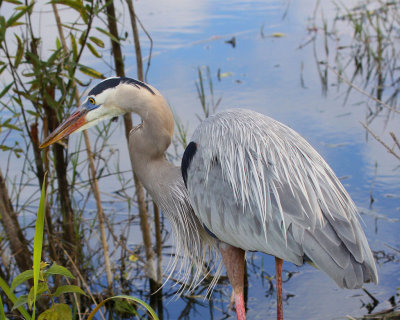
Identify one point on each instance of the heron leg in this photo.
(278, 277)
(234, 263)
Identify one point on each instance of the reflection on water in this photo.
(273, 76)
(267, 71)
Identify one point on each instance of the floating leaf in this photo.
(278, 35)
(225, 75)
(68, 288)
(56, 269)
(58, 311)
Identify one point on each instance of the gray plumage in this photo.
(254, 183)
(258, 185)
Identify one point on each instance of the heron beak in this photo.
(73, 123)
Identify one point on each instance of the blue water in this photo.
(264, 73)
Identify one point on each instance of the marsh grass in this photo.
(367, 61)
(364, 59)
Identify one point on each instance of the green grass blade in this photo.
(2, 314)
(136, 300)
(38, 243)
(10, 295)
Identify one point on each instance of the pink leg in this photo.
(278, 276)
(234, 263)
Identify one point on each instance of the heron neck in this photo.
(156, 174)
(154, 135)
(149, 141)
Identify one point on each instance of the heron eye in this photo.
(91, 101)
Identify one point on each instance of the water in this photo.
(266, 77)
(272, 75)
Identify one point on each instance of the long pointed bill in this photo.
(73, 123)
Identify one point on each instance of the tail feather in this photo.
(338, 262)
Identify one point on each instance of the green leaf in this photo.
(108, 34)
(13, 1)
(2, 28)
(13, 20)
(20, 302)
(58, 311)
(10, 126)
(38, 243)
(126, 307)
(5, 90)
(2, 314)
(56, 269)
(58, 43)
(42, 287)
(21, 278)
(82, 38)
(68, 288)
(97, 41)
(74, 4)
(93, 50)
(74, 47)
(33, 113)
(3, 67)
(91, 72)
(51, 61)
(136, 300)
(20, 52)
(10, 295)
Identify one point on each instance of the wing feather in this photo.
(258, 185)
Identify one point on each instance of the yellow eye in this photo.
(91, 100)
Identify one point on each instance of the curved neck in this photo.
(148, 141)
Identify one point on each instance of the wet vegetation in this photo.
(361, 53)
(85, 233)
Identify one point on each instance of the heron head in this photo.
(105, 100)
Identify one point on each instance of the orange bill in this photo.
(73, 123)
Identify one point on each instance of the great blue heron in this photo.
(247, 182)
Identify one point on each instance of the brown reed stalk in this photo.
(94, 184)
(140, 194)
(12, 229)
